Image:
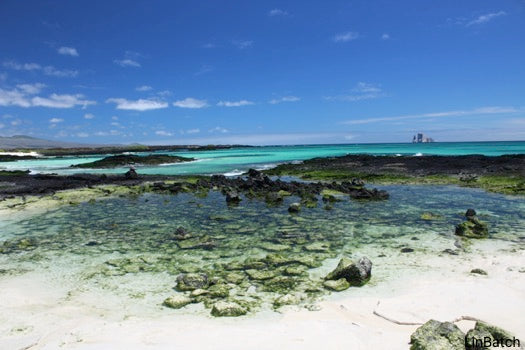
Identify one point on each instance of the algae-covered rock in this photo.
(260, 275)
(435, 335)
(272, 247)
(235, 278)
(317, 247)
(287, 299)
(357, 274)
(472, 227)
(227, 309)
(483, 329)
(294, 207)
(280, 284)
(337, 285)
(219, 291)
(192, 281)
(177, 301)
(429, 216)
(479, 272)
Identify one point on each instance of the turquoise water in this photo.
(236, 160)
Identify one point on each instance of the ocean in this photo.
(236, 160)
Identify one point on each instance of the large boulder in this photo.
(229, 309)
(483, 331)
(192, 281)
(357, 274)
(472, 227)
(435, 335)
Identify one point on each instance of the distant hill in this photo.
(22, 141)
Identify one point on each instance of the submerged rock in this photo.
(294, 207)
(228, 309)
(337, 285)
(435, 335)
(473, 227)
(192, 281)
(357, 274)
(177, 301)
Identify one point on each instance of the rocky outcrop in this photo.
(192, 281)
(228, 309)
(128, 159)
(472, 227)
(177, 301)
(356, 274)
(435, 335)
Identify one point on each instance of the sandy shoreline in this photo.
(39, 312)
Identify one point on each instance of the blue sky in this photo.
(265, 72)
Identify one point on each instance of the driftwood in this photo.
(461, 318)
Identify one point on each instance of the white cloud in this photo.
(61, 101)
(218, 129)
(114, 117)
(193, 131)
(385, 36)
(144, 88)
(190, 102)
(71, 51)
(82, 134)
(64, 73)
(242, 44)
(234, 103)
(163, 133)
(362, 91)
(277, 12)
(457, 113)
(16, 122)
(31, 89)
(127, 63)
(486, 18)
(22, 66)
(56, 120)
(164, 93)
(284, 99)
(88, 116)
(137, 105)
(13, 98)
(344, 37)
(209, 46)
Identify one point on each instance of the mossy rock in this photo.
(260, 275)
(287, 299)
(192, 281)
(235, 278)
(472, 228)
(280, 284)
(435, 335)
(337, 285)
(428, 216)
(219, 291)
(272, 247)
(284, 193)
(357, 274)
(227, 309)
(483, 329)
(317, 247)
(177, 301)
(295, 270)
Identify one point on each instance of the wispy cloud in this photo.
(22, 66)
(486, 18)
(31, 89)
(56, 120)
(47, 70)
(191, 102)
(22, 97)
(242, 44)
(209, 46)
(68, 51)
(235, 103)
(362, 91)
(144, 88)
(218, 129)
(82, 134)
(456, 113)
(60, 73)
(163, 133)
(193, 131)
(127, 63)
(88, 116)
(61, 101)
(284, 99)
(385, 36)
(344, 37)
(277, 12)
(137, 105)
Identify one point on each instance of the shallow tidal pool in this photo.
(129, 246)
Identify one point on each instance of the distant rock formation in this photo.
(421, 138)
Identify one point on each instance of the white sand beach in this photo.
(36, 312)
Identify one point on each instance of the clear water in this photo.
(134, 237)
(236, 160)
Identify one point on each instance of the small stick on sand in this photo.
(396, 321)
